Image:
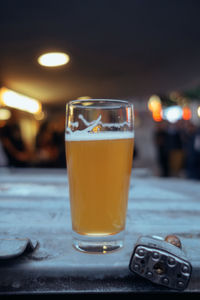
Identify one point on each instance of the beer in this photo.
(99, 168)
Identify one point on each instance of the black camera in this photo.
(161, 261)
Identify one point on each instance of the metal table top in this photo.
(35, 204)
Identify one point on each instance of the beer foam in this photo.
(87, 134)
(102, 135)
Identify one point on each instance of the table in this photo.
(34, 203)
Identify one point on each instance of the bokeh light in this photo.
(15, 100)
(53, 59)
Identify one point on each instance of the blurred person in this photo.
(46, 150)
(175, 146)
(58, 132)
(161, 142)
(135, 151)
(197, 152)
(3, 157)
(192, 151)
(13, 145)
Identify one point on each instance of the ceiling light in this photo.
(53, 59)
(18, 101)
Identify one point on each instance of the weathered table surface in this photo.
(35, 204)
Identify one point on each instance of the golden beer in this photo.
(99, 168)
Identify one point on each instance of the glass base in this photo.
(98, 244)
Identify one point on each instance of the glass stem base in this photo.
(98, 244)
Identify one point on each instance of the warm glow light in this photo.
(84, 98)
(155, 106)
(187, 114)
(157, 115)
(5, 114)
(39, 116)
(198, 111)
(175, 96)
(154, 103)
(53, 59)
(18, 101)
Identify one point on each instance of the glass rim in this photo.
(105, 103)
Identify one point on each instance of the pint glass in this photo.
(99, 141)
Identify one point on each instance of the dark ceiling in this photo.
(118, 49)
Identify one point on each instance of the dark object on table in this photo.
(15, 247)
(161, 262)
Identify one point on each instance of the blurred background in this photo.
(147, 52)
